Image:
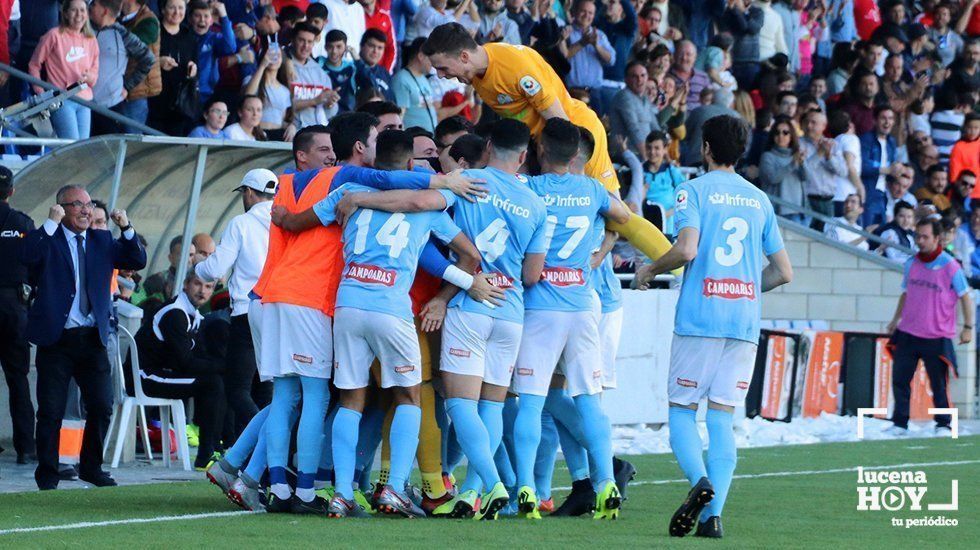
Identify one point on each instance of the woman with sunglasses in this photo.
(782, 171)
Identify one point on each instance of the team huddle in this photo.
(477, 315)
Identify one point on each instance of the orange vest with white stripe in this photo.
(303, 269)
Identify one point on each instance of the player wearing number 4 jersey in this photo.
(726, 226)
(480, 343)
(561, 323)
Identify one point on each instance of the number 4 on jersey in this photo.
(492, 241)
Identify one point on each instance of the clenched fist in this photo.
(119, 217)
(56, 213)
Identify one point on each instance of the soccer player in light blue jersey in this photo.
(727, 227)
(374, 319)
(480, 343)
(560, 320)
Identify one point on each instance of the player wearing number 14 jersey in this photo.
(726, 226)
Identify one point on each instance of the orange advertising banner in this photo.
(883, 377)
(822, 383)
(778, 364)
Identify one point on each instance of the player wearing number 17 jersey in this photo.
(726, 226)
(560, 322)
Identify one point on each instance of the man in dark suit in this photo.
(69, 321)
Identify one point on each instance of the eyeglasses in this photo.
(79, 204)
(217, 112)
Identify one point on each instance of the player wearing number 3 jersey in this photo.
(726, 225)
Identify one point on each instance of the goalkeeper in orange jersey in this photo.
(516, 82)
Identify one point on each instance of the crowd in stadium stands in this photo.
(876, 99)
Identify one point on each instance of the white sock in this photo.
(281, 490)
(306, 495)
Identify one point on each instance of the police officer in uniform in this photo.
(14, 349)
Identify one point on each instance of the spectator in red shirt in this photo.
(378, 17)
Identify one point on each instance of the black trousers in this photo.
(246, 394)
(209, 407)
(79, 354)
(15, 357)
(938, 355)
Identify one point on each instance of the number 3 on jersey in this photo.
(739, 230)
(393, 234)
(492, 241)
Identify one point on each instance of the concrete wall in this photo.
(852, 291)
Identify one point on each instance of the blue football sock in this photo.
(685, 441)
(473, 438)
(505, 467)
(568, 421)
(247, 440)
(368, 441)
(404, 438)
(285, 397)
(721, 459)
(598, 435)
(510, 416)
(259, 459)
(345, 428)
(491, 414)
(454, 453)
(309, 434)
(442, 420)
(527, 436)
(544, 464)
(326, 458)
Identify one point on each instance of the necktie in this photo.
(83, 304)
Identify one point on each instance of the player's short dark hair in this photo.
(378, 108)
(303, 26)
(657, 135)
(100, 204)
(412, 50)
(726, 135)
(194, 5)
(395, 149)
(303, 140)
(175, 243)
(784, 94)
(469, 147)
(452, 125)
(935, 168)
(559, 138)
(334, 35)
(881, 108)
(902, 205)
(586, 142)
(510, 135)
(346, 129)
(449, 39)
(317, 11)
(374, 34)
(838, 122)
(937, 227)
(291, 13)
(418, 131)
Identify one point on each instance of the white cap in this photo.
(261, 180)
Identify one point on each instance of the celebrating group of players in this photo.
(526, 319)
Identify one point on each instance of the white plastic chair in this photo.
(117, 352)
(168, 408)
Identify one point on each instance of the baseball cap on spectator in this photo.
(261, 180)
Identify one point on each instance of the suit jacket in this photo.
(53, 276)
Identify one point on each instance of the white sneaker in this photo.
(943, 430)
(895, 431)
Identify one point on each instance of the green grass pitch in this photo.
(771, 510)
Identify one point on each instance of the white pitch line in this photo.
(86, 524)
(804, 472)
